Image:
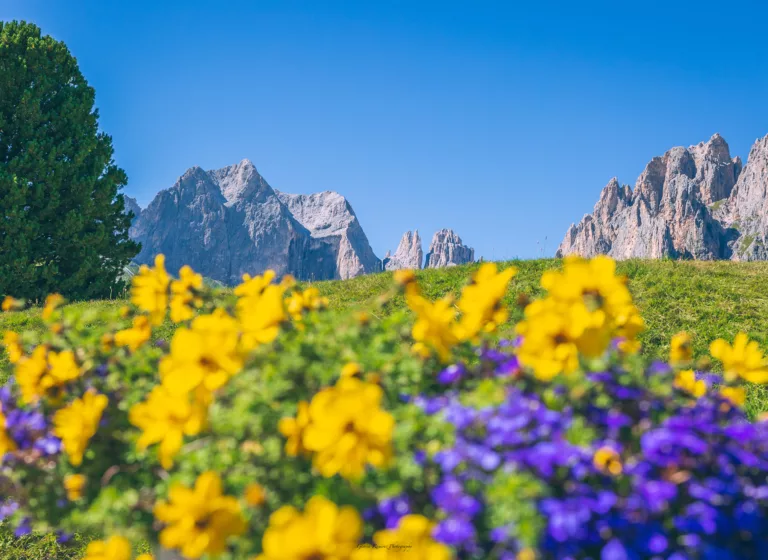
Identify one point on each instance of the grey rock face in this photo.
(330, 219)
(132, 206)
(747, 210)
(670, 213)
(447, 249)
(409, 253)
(228, 222)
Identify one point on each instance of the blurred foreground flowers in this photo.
(271, 426)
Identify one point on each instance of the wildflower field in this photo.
(523, 410)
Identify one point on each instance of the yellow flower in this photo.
(412, 538)
(254, 286)
(351, 369)
(744, 359)
(548, 347)
(107, 342)
(184, 294)
(308, 300)
(685, 380)
(74, 484)
(348, 429)
(11, 303)
(12, 344)
(323, 531)
(293, 430)
(6, 443)
(145, 556)
(736, 395)
(680, 349)
(435, 325)
(114, 548)
(206, 354)
(404, 277)
(255, 494)
(136, 336)
(41, 371)
(166, 418)
(261, 316)
(586, 307)
(150, 290)
(480, 302)
(199, 520)
(608, 460)
(76, 424)
(526, 554)
(52, 301)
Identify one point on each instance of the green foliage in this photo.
(63, 227)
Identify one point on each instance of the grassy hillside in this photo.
(709, 300)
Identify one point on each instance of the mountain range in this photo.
(230, 221)
(691, 203)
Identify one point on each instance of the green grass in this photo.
(707, 299)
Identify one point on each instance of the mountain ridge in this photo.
(696, 202)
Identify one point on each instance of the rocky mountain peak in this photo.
(683, 206)
(409, 253)
(447, 249)
(240, 182)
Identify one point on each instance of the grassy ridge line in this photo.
(708, 299)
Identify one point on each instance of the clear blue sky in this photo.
(501, 120)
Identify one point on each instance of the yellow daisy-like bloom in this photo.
(76, 424)
(150, 290)
(587, 306)
(114, 548)
(308, 300)
(608, 460)
(685, 380)
(184, 294)
(11, 341)
(52, 301)
(412, 538)
(323, 531)
(206, 354)
(293, 429)
(44, 370)
(261, 316)
(435, 325)
(526, 554)
(680, 349)
(136, 336)
(199, 520)
(480, 302)
(744, 359)
(6, 443)
(549, 348)
(166, 418)
(74, 484)
(736, 395)
(255, 494)
(348, 429)
(11, 303)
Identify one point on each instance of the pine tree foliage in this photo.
(62, 222)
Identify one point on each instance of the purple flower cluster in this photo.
(27, 427)
(686, 480)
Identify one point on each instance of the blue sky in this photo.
(501, 120)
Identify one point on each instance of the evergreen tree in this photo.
(62, 222)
